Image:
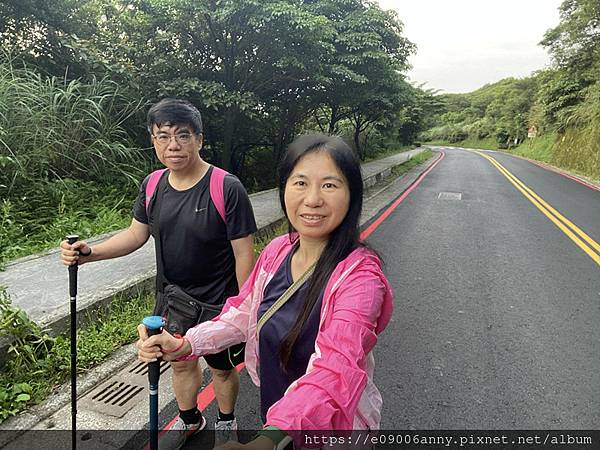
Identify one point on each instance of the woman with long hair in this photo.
(311, 310)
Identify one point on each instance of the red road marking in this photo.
(550, 168)
(566, 175)
(207, 395)
(366, 233)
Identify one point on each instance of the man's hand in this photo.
(121, 244)
(71, 253)
(164, 345)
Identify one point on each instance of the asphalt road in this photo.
(497, 313)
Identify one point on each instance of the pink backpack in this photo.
(217, 195)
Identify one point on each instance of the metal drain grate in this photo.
(139, 370)
(450, 196)
(121, 392)
(114, 397)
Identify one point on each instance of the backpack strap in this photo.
(217, 194)
(151, 186)
(217, 181)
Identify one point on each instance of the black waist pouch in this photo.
(183, 311)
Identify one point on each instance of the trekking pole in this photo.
(154, 325)
(71, 239)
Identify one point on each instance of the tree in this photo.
(258, 69)
(571, 91)
(242, 61)
(365, 36)
(575, 42)
(416, 113)
(41, 33)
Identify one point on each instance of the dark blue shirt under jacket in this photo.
(274, 379)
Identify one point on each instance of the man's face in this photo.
(177, 147)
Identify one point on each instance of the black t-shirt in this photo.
(197, 254)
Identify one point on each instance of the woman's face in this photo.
(317, 196)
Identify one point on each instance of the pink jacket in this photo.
(337, 391)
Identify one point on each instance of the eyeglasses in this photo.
(164, 139)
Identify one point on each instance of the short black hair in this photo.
(173, 111)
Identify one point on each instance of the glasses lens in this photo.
(163, 139)
(183, 138)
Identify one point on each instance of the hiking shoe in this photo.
(175, 437)
(225, 430)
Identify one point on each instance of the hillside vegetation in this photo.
(562, 103)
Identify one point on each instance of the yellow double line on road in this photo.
(576, 234)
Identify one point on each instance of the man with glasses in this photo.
(207, 257)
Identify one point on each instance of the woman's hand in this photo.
(164, 345)
(260, 443)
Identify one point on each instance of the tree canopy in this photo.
(259, 70)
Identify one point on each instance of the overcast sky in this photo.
(464, 44)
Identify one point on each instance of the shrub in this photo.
(65, 159)
(52, 129)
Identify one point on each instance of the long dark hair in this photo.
(344, 239)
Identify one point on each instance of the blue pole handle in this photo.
(154, 326)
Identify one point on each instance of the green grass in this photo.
(52, 129)
(67, 164)
(400, 170)
(578, 150)
(539, 148)
(37, 363)
(261, 241)
(389, 152)
(485, 144)
(413, 162)
(41, 217)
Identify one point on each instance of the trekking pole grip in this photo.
(71, 239)
(154, 325)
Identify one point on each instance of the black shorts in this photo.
(228, 358)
